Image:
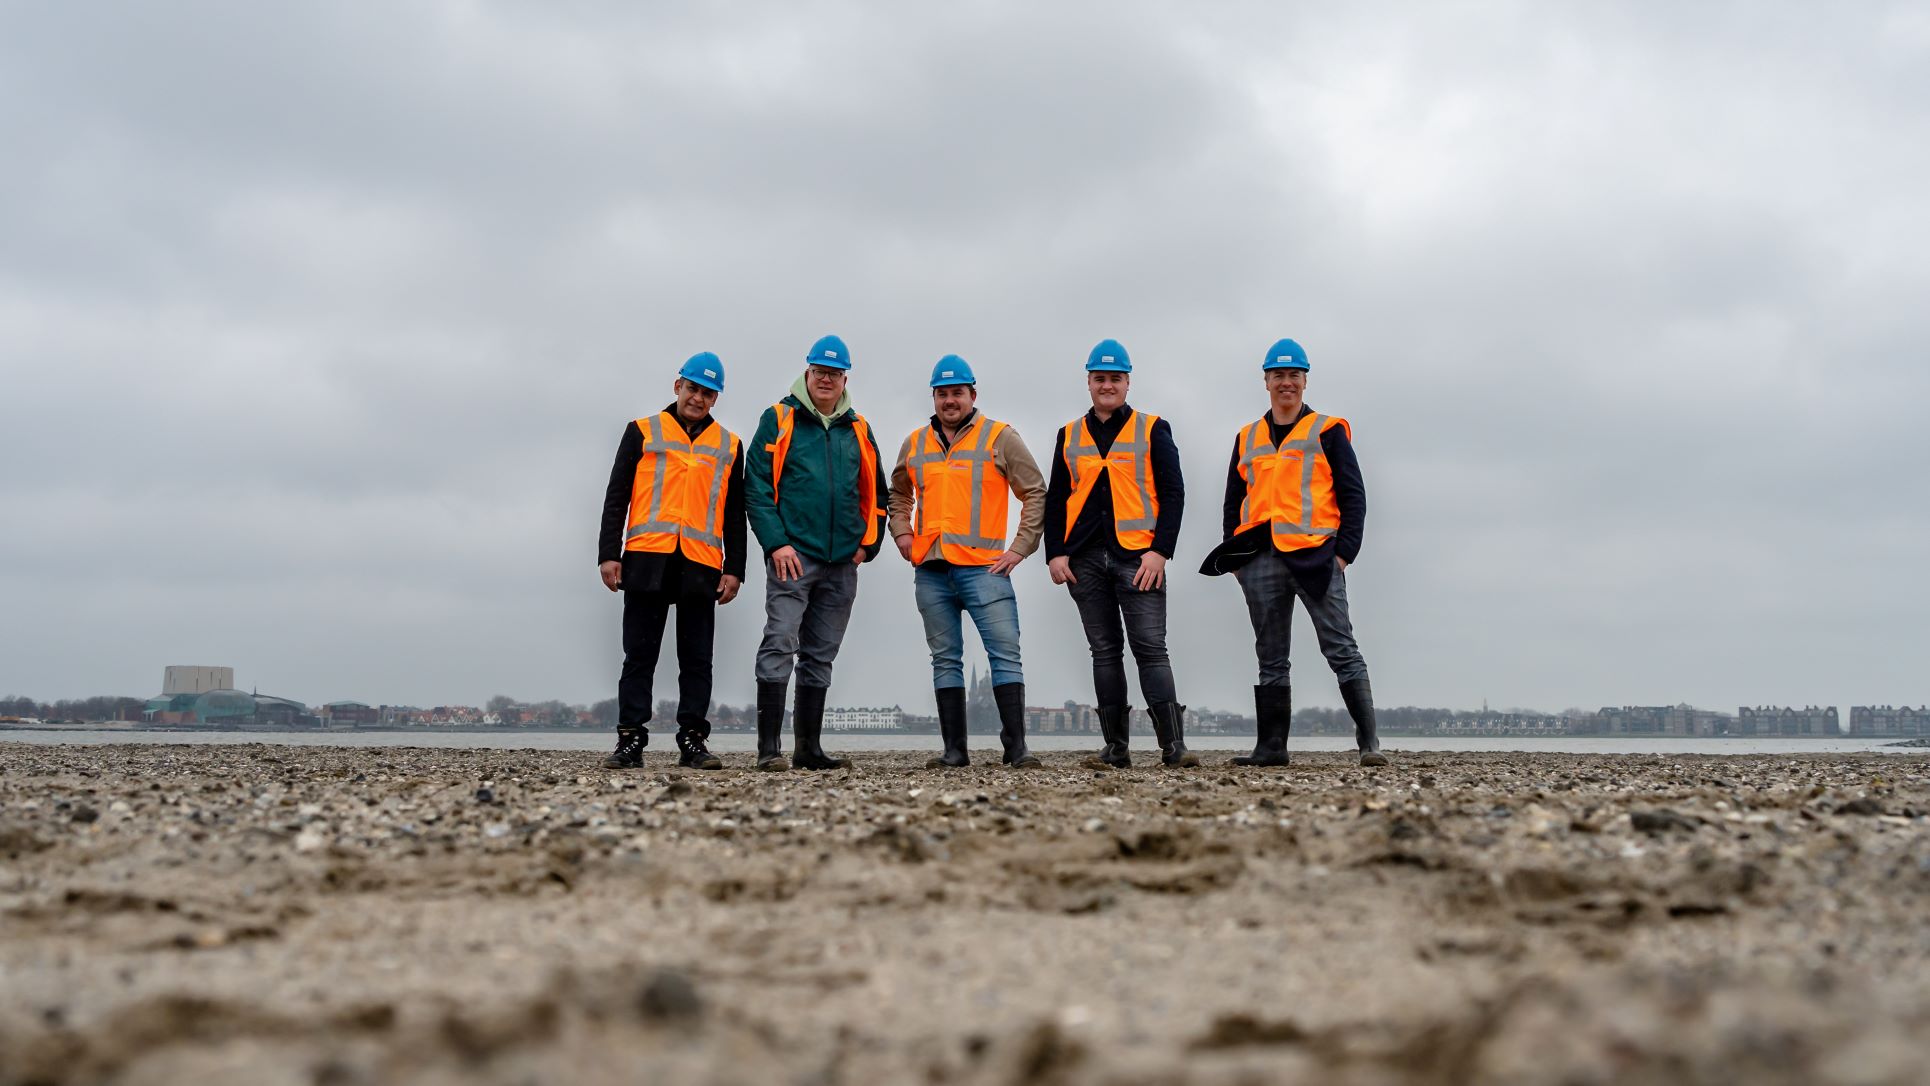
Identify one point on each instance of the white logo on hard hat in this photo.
(1105, 358)
(830, 354)
(710, 373)
(945, 373)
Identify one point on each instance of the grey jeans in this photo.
(1270, 589)
(804, 621)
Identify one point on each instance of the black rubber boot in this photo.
(1273, 714)
(1113, 722)
(1359, 696)
(1011, 702)
(692, 753)
(951, 729)
(770, 727)
(807, 721)
(629, 752)
(1169, 728)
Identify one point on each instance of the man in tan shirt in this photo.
(950, 492)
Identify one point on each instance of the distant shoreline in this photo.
(599, 729)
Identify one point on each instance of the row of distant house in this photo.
(241, 708)
(1039, 720)
(1865, 721)
(203, 696)
(1873, 721)
(236, 708)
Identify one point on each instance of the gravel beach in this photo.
(254, 914)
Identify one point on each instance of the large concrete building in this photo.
(862, 719)
(1787, 720)
(1889, 720)
(191, 679)
(351, 714)
(1682, 719)
(1069, 719)
(228, 709)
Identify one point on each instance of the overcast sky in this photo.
(319, 323)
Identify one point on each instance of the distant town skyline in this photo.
(203, 672)
(193, 697)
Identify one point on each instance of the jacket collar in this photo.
(693, 429)
(801, 395)
(1267, 416)
(938, 430)
(1119, 418)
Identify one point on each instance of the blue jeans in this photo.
(946, 590)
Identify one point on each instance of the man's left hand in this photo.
(727, 587)
(1002, 566)
(1151, 574)
(857, 559)
(1342, 563)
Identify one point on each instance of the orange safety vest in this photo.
(1292, 486)
(874, 517)
(962, 497)
(1128, 467)
(677, 497)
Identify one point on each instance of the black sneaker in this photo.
(629, 752)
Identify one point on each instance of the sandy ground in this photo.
(254, 914)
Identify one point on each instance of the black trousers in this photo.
(1115, 615)
(645, 612)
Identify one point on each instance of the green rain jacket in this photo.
(817, 509)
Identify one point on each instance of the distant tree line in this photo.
(558, 714)
(100, 707)
(603, 714)
(1395, 719)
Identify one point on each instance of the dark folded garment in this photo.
(1236, 552)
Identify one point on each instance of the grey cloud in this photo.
(318, 323)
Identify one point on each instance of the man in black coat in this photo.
(673, 536)
(1112, 513)
(1293, 519)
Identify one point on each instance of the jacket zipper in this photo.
(831, 524)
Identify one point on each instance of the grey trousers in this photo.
(1270, 589)
(804, 621)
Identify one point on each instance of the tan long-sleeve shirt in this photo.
(1012, 459)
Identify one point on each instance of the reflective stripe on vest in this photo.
(1290, 486)
(1127, 465)
(665, 514)
(874, 517)
(971, 539)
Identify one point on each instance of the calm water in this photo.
(744, 743)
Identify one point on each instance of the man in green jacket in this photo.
(816, 499)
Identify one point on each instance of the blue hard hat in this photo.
(1286, 355)
(704, 369)
(952, 370)
(1109, 355)
(829, 351)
